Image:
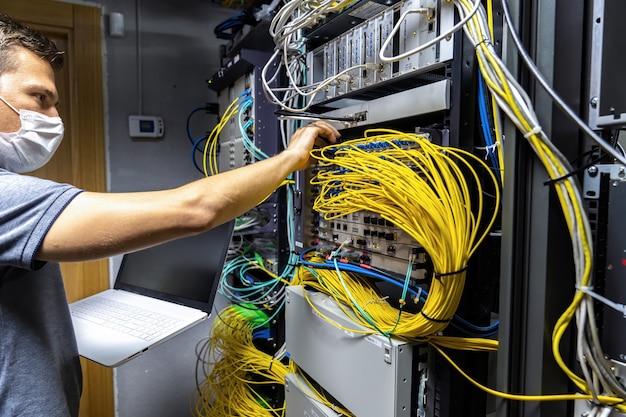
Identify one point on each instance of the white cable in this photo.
(580, 351)
(426, 45)
(615, 306)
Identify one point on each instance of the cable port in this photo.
(360, 116)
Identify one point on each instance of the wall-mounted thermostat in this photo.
(145, 126)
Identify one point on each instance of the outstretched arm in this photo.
(97, 225)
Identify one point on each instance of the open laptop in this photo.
(177, 279)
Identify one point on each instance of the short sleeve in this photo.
(28, 208)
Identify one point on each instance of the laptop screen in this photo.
(184, 271)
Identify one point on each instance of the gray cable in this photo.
(557, 100)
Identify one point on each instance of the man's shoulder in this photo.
(10, 179)
(16, 184)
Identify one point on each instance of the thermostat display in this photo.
(145, 126)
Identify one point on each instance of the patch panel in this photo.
(386, 22)
(232, 154)
(357, 58)
(343, 63)
(316, 71)
(241, 79)
(359, 48)
(330, 64)
(371, 35)
(239, 87)
(376, 241)
(416, 29)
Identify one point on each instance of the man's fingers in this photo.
(326, 133)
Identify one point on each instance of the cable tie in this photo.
(571, 173)
(417, 297)
(433, 319)
(535, 130)
(486, 41)
(589, 291)
(445, 274)
(489, 149)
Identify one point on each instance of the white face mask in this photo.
(33, 145)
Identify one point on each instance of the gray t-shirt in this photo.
(40, 371)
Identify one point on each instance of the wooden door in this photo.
(80, 159)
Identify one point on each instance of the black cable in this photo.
(574, 172)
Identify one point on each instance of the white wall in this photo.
(178, 53)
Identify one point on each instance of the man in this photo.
(43, 223)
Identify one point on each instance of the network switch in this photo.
(370, 374)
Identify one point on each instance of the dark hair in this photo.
(15, 34)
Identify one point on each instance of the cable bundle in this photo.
(433, 193)
(237, 108)
(316, 258)
(287, 31)
(267, 295)
(598, 381)
(360, 300)
(210, 165)
(234, 370)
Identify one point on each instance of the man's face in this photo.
(30, 87)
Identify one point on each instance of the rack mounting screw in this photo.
(592, 171)
(593, 101)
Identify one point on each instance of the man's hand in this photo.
(318, 133)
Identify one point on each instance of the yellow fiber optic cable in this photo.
(519, 397)
(423, 189)
(386, 318)
(234, 370)
(514, 102)
(210, 146)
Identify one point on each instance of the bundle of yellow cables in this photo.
(433, 193)
(361, 301)
(211, 146)
(517, 105)
(235, 368)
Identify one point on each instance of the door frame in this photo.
(84, 119)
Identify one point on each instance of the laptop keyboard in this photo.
(126, 318)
